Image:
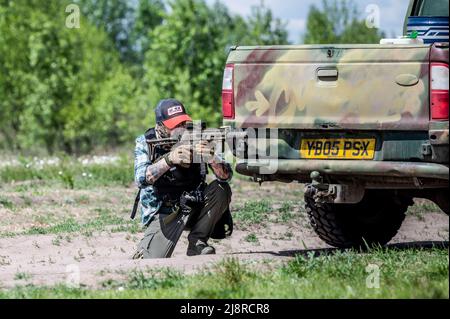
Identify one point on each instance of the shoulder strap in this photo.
(150, 134)
(136, 204)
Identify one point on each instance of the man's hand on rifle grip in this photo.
(205, 150)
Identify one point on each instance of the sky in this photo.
(295, 12)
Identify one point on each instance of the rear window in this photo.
(437, 8)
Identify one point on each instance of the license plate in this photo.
(338, 148)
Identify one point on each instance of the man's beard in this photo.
(163, 132)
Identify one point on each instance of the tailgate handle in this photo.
(327, 74)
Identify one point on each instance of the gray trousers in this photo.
(161, 235)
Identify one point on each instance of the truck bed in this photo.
(337, 108)
(363, 87)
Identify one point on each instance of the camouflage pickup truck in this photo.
(365, 127)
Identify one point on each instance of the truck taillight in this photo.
(439, 91)
(228, 92)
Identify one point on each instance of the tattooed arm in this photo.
(146, 173)
(221, 169)
(155, 171)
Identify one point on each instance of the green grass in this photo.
(6, 203)
(253, 212)
(155, 279)
(420, 209)
(22, 276)
(287, 212)
(71, 176)
(259, 211)
(411, 273)
(103, 220)
(251, 238)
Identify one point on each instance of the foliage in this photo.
(166, 278)
(405, 274)
(338, 22)
(113, 17)
(149, 14)
(93, 88)
(58, 86)
(187, 62)
(127, 24)
(254, 212)
(104, 221)
(71, 175)
(264, 29)
(79, 90)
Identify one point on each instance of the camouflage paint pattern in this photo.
(378, 91)
(377, 87)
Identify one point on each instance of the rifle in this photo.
(195, 133)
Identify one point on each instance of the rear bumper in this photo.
(347, 168)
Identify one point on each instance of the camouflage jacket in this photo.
(149, 203)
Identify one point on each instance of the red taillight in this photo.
(227, 105)
(439, 105)
(228, 92)
(439, 91)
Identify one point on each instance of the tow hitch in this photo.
(324, 193)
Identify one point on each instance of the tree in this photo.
(183, 58)
(112, 16)
(259, 28)
(264, 29)
(80, 89)
(55, 85)
(188, 52)
(148, 15)
(338, 22)
(127, 23)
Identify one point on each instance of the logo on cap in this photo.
(174, 110)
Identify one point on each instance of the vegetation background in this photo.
(94, 88)
(68, 93)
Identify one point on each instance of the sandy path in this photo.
(47, 260)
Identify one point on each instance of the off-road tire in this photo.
(373, 221)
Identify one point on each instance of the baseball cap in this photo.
(171, 113)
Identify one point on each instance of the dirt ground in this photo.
(54, 258)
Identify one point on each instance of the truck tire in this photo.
(440, 198)
(373, 221)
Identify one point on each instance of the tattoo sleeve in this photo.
(155, 171)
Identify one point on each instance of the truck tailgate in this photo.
(362, 87)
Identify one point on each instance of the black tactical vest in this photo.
(177, 180)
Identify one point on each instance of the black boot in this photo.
(200, 248)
